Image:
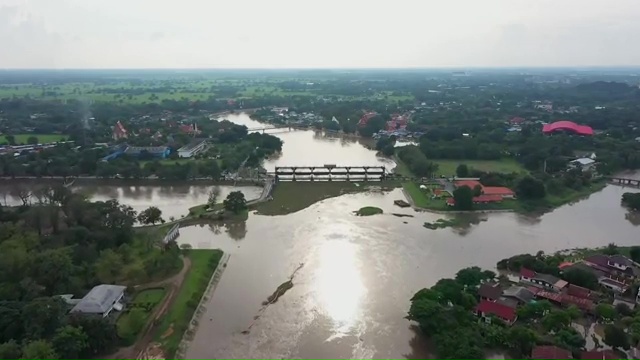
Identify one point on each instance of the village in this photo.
(611, 303)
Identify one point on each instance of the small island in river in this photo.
(537, 313)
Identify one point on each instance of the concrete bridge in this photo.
(172, 234)
(275, 127)
(624, 181)
(329, 173)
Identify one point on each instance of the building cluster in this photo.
(488, 194)
(615, 273)
(555, 352)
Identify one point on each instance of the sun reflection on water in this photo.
(340, 284)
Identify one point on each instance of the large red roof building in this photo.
(504, 312)
(119, 132)
(566, 125)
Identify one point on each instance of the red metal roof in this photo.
(550, 295)
(516, 120)
(470, 183)
(583, 304)
(578, 291)
(568, 126)
(497, 190)
(527, 273)
(550, 352)
(497, 309)
(599, 354)
(564, 265)
(451, 201)
(487, 198)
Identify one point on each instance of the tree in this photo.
(533, 310)
(10, 350)
(70, 341)
(150, 215)
(10, 139)
(556, 320)
(39, 349)
(463, 197)
(569, 338)
(214, 193)
(635, 253)
(473, 276)
(606, 312)
(41, 317)
(581, 277)
(32, 140)
(624, 309)
(521, 340)
(235, 202)
(101, 334)
(611, 249)
(616, 337)
(530, 188)
(462, 171)
(631, 200)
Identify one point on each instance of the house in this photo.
(521, 294)
(485, 309)
(615, 265)
(161, 152)
(545, 107)
(579, 291)
(101, 300)
(544, 280)
(192, 148)
(617, 299)
(516, 121)
(503, 192)
(550, 352)
(614, 285)
(584, 164)
(490, 291)
(191, 129)
(599, 354)
(119, 132)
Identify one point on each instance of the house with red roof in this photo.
(486, 309)
(550, 352)
(599, 354)
(366, 117)
(119, 132)
(502, 192)
(517, 121)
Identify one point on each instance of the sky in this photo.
(95, 34)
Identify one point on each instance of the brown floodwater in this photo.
(174, 200)
(350, 297)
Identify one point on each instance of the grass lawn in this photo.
(448, 167)
(42, 138)
(289, 197)
(176, 321)
(133, 320)
(422, 197)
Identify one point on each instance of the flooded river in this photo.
(351, 295)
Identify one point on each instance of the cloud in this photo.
(315, 33)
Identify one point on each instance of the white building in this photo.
(192, 148)
(101, 300)
(585, 164)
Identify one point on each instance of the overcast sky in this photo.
(317, 33)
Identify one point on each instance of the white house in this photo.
(586, 164)
(192, 148)
(101, 300)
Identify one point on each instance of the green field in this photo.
(422, 197)
(22, 139)
(448, 167)
(176, 321)
(143, 304)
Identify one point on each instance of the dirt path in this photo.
(173, 286)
